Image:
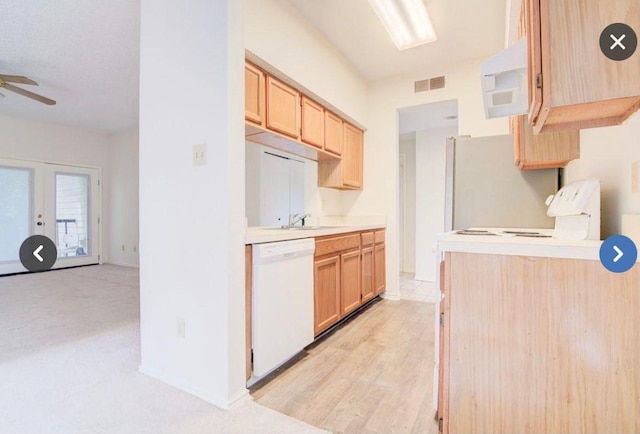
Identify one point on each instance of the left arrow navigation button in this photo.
(38, 253)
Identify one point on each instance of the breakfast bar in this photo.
(535, 335)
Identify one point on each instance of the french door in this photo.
(58, 201)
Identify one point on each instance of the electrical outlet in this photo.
(180, 327)
(135, 249)
(199, 155)
(123, 247)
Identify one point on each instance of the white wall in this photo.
(430, 197)
(408, 149)
(607, 153)
(192, 217)
(123, 198)
(380, 195)
(279, 34)
(39, 141)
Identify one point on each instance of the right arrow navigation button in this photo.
(618, 253)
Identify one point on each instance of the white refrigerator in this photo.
(488, 190)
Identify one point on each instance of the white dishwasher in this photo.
(282, 303)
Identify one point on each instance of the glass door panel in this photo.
(73, 214)
(21, 209)
(16, 210)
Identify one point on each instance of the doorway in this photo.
(423, 132)
(58, 201)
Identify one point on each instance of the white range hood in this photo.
(504, 82)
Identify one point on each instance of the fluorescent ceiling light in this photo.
(407, 21)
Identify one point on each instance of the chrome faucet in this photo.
(293, 219)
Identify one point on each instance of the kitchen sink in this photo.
(302, 228)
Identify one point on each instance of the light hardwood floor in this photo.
(372, 375)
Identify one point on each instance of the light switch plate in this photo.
(199, 155)
(635, 177)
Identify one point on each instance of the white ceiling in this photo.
(466, 29)
(84, 54)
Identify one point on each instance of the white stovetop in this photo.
(510, 244)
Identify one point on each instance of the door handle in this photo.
(40, 223)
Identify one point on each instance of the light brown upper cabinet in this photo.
(254, 94)
(572, 84)
(332, 133)
(283, 105)
(312, 120)
(545, 150)
(346, 173)
(352, 156)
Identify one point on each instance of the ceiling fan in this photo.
(5, 81)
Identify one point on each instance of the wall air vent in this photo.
(429, 84)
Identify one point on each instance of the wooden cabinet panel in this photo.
(367, 238)
(350, 288)
(380, 278)
(569, 92)
(283, 108)
(379, 236)
(368, 284)
(248, 263)
(326, 292)
(524, 356)
(312, 123)
(352, 157)
(333, 133)
(333, 244)
(345, 174)
(254, 94)
(544, 150)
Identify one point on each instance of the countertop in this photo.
(519, 246)
(257, 235)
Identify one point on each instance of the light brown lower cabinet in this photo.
(345, 275)
(367, 283)
(380, 275)
(539, 345)
(350, 275)
(326, 292)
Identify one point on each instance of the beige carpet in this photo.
(69, 354)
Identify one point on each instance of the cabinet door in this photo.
(312, 118)
(254, 94)
(333, 133)
(368, 288)
(379, 269)
(544, 150)
(352, 157)
(350, 273)
(326, 293)
(283, 108)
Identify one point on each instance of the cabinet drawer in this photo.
(367, 238)
(336, 244)
(380, 236)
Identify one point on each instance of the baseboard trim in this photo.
(182, 385)
(121, 264)
(423, 278)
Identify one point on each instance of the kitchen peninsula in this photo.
(536, 336)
